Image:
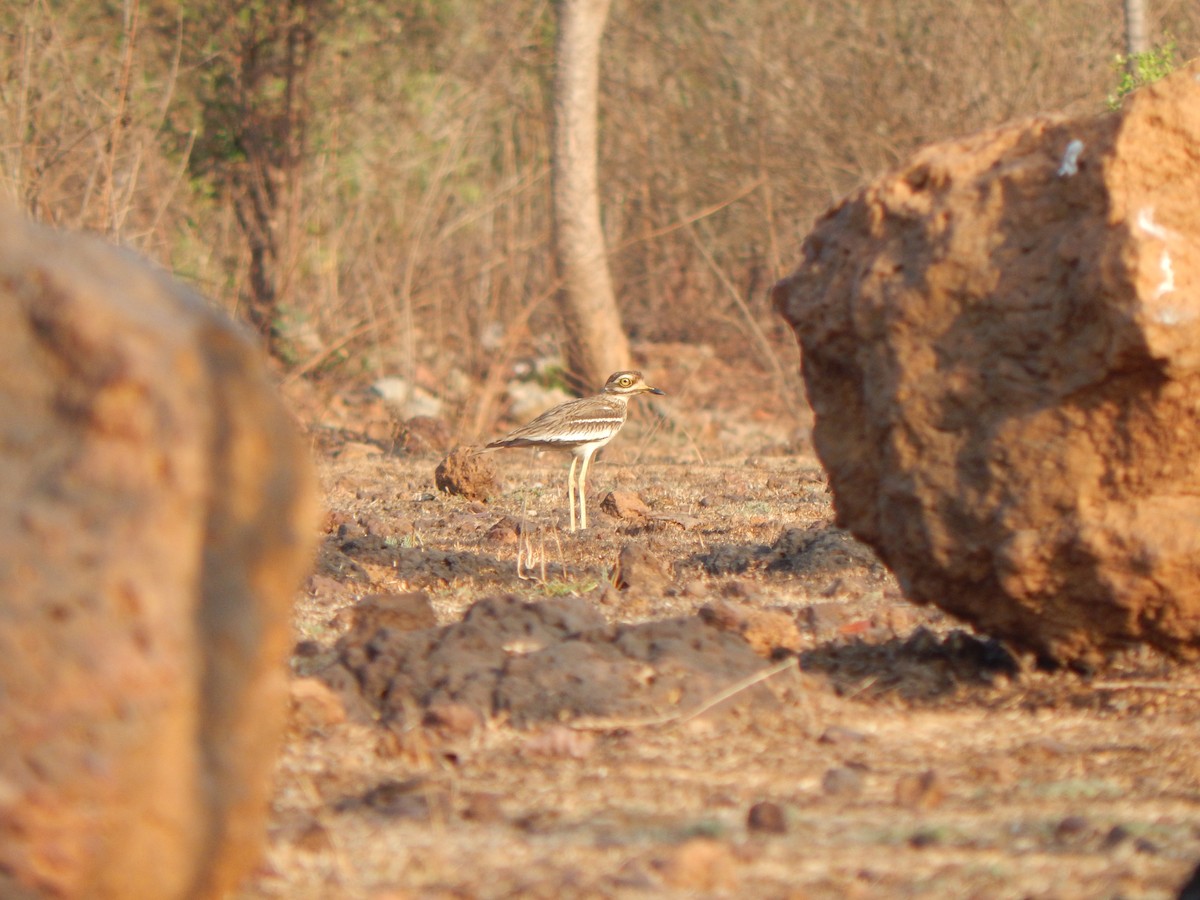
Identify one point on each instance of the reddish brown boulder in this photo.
(1001, 344)
(157, 510)
(468, 473)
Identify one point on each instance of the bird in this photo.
(581, 426)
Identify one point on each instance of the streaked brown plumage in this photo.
(581, 426)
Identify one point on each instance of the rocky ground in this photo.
(715, 692)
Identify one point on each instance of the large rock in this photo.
(156, 513)
(1001, 344)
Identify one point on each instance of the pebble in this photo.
(920, 791)
(766, 817)
(1147, 846)
(639, 568)
(625, 505)
(924, 838)
(842, 781)
(1116, 836)
(1070, 827)
(839, 734)
(483, 807)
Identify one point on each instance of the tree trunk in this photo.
(596, 341)
(256, 109)
(1135, 33)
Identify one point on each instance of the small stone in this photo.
(1146, 846)
(1116, 836)
(405, 399)
(638, 568)
(529, 398)
(625, 505)
(1071, 827)
(842, 781)
(767, 818)
(839, 734)
(483, 807)
(926, 837)
(920, 791)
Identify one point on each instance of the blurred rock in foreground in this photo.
(157, 509)
(1001, 343)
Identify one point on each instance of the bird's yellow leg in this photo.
(571, 489)
(583, 491)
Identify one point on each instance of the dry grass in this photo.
(406, 227)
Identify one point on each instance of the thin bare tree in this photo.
(1135, 33)
(596, 340)
(256, 107)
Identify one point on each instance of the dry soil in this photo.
(782, 722)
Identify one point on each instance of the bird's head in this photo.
(627, 383)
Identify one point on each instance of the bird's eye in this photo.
(626, 381)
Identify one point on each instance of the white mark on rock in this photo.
(1145, 221)
(1167, 285)
(1070, 161)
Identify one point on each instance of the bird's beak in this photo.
(655, 390)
